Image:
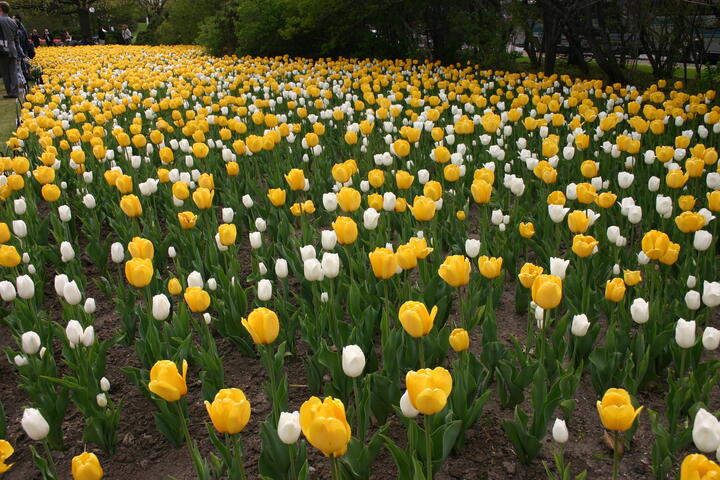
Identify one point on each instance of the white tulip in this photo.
(247, 201)
(7, 291)
(557, 213)
(88, 337)
(423, 176)
(560, 432)
(702, 240)
(74, 332)
(613, 232)
(255, 240)
(558, 267)
(89, 201)
(264, 289)
(228, 214)
(25, 287)
(194, 279)
(711, 294)
(30, 343)
(104, 384)
(625, 179)
(706, 431)
(172, 253)
(329, 201)
(371, 218)
(160, 307)
(634, 214)
(71, 293)
(20, 206)
(691, 281)
(580, 325)
(307, 252)
(642, 258)
(328, 239)
(89, 305)
(654, 184)
(406, 406)
(60, 281)
(324, 297)
(281, 268)
(20, 360)
(640, 311)
(212, 284)
(19, 228)
(288, 429)
(67, 253)
(692, 300)
(312, 270)
(64, 213)
(330, 264)
(472, 247)
(685, 333)
(262, 268)
(260, 224)
(389, 201)
(117, 252)
(353, 361)
(101, 400)
(711, 338)
(34, 424)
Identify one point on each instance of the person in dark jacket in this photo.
(48, 38)
(8, 52)
(35, 38)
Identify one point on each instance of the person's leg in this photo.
(5, 72)
(13, 80)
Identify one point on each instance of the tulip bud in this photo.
(685, 333)
(407, 407)
(228, 214)
(66, 252)
(307, 252)
(654, 184)
(711, 338)
(389, 201)
(558, 267)
(640, 311)
(353, 361)
(702, 240)
(330, 264)
(20, 206)
(281, 268)
(324, 297)
(580, 325)
(706, 431)
(329, 239)
(260, 224)
(89, 201)
(30, 343)
(34, 424)
(117, 252)
(104, 384)
(247, 201)
(557, 213)
(71, 293)
(160, 307)
(370, 219)
(171, 252)
(691, 281)
(64, 213)
(101, 400)
(7, 291)
(255, 240)
(560, 432)
(19, 228)
(312, 270)
(288, 429)
(89, 305)
(194, 279)
(264, 290)
(692, 300)
(472, 247)
(20, 360)
(88, 337)
(329, 201)
(25, 287)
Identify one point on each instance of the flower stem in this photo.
(51, 462)
(335, 468)
(238, 452)
(422, 352)
(428, 448)
(358, 413)
(616, 455)
(191, 445)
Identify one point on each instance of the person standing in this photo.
(8, 51)
(126, 35)
(48, 38)
(102, 35)
(35, 38)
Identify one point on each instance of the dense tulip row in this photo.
(374, 211)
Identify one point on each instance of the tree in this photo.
(81, 8)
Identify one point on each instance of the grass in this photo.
(8, 115)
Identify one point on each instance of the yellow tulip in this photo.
(616, 410)
(423, 208)
(632, 277)
(141, 248)
(584, 245)
(585, 193)
(376, 178)
(375, 200)
(686, 202)
(227, 233)
(671, 254)
(714, 201)
(345, 229)
(578, 221)
(406, 257)
(203, 198)
(166, 381)
(526, 229)
(615, 290)
(180, 190)
(295, 179)
(263, 325)
(589, 169)
(130, 205)
(200, 150)
(455, 270)
(403, 179)
(325, 426)
(547, 291)
(340, 173)
(207, 180)
(698, 467)
(415, 318)
(459, 339)
(197, 299)
(606, 199)
(187, 220)
(556, 198)
(420, 247)
(433, 189)
(9, 256)
(124, 184)
(348, 199)
(655, 244)
(441, 154)
(6, 451)
(308, 207)
(4, 233)
(276, 196)
(490, 267)
(451, 173)
(429, 389)
(232, 168)
(384, 263)
(689, 222)
(139, 272)
(174, 287)
(229, 411)
(296, 209)
(50, 192)
(528, 273)
(676, 178)
(44, 175)
(481, 191)
(401, 148)
(86, 466)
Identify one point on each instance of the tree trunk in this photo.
(84, 17)
(550, 39)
